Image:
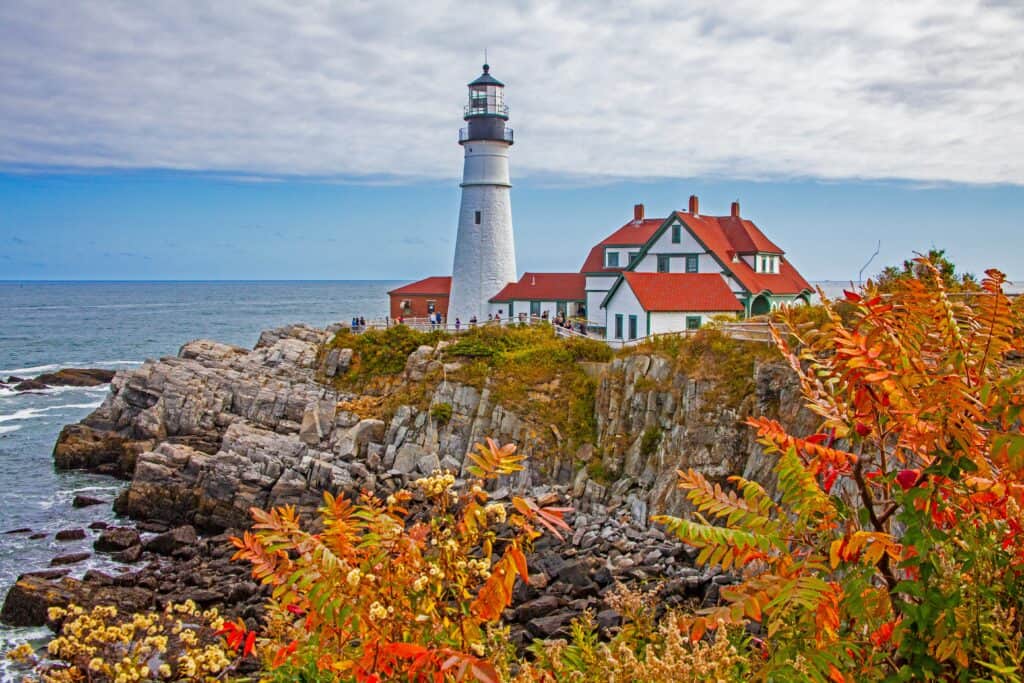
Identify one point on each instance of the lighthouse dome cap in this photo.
(486, 78)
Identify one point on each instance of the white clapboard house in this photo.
(653, 276)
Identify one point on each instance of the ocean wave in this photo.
(30, 413)
(7, 429)
(36, 370)
(33, 371)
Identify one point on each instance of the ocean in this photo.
(49, 325)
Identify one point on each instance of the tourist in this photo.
(472, 321)
(362, 323)
(458, 324)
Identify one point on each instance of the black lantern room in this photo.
(486, 112)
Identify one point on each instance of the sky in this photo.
(281, 140)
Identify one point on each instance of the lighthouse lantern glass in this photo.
(486, 99)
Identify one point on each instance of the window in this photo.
(693, 322)
(663, 263)
(632, 327)
(691, 263)
(534, 308)
(476, 218)
(633, 255)
(618, 326)
(431, 306)
(677, 233)
(613, 259)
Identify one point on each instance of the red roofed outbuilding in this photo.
(421, 298)
(538, 294)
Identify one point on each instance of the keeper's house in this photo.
(673, 274)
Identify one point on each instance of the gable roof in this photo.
(679, 292)
(438, 285)
(745, 237)
(632, 234)
(545, 287)
(728, 236)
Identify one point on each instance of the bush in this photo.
(180, 643)
(650, 440)
(893, 550)
(441, 412)
(382, 593)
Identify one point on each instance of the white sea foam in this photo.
(7, 429)
(30, 413)
(114, 362)
(33, 371)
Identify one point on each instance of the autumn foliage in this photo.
(891, 548)
(383, 593)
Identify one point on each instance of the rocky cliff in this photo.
(206, 435)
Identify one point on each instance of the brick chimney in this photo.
(736, 209)
(638, 212)
(694, 205)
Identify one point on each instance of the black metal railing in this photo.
(506, 136)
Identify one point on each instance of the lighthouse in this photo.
(485, 257)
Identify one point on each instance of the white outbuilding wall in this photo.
(625, 303)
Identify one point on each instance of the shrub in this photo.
(382, 593)
(180, 643)
(893, 551)
(649, 648)
(441, 412)
(650, 440)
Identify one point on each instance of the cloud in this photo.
(372, 91)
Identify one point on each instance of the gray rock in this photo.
(115, 539)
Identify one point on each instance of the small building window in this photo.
(691, 263)
(613, 259)
(663, 263)
(693, 322)
(535, 308)
(618, 326)
(431, 306)
(476, 217)
(633, 255)
(632, 327)
(677, 233)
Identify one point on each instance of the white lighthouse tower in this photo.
(485, 253)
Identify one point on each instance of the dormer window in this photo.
(612, 259)
(766, 263)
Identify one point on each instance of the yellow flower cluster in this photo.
(436, 484)
(179, 643)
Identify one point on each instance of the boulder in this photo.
(170, 541)
(77, 377)
(29, 599)
(81, 501)
(70, 558)
(70, 534)
(116, 539)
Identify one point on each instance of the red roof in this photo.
(745, 237)
(682, 292)
(632, 234)
(545, 287)
(439, 285)
(727, 236)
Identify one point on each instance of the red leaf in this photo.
(250, 644)
(907, 479)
